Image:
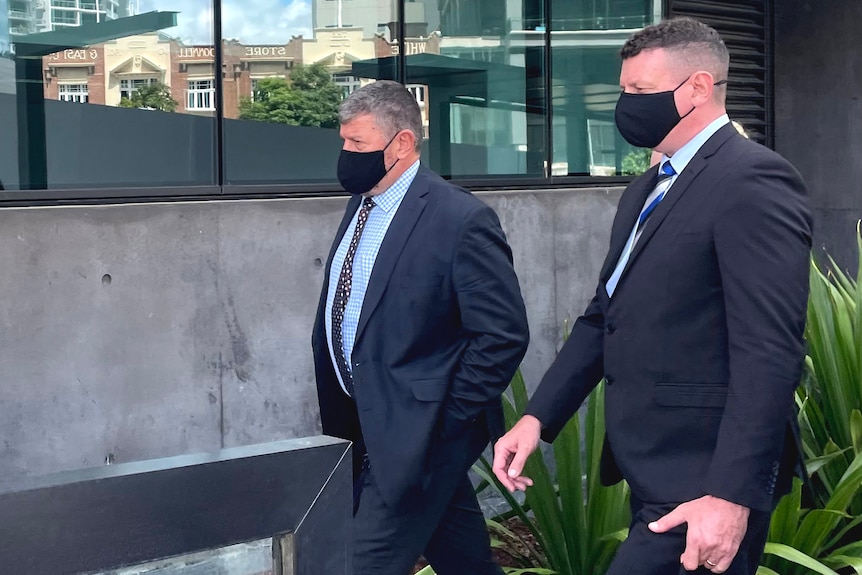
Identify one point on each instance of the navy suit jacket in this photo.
(441, 332)
(701, 345)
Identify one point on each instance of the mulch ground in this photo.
(512, 553)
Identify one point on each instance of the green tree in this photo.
(308, 98)
(155, 96)
(636, 162)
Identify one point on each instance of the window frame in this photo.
(196, 95)
(78, 96)
(208, 98)
(128, 92)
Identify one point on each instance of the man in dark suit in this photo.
(696, 325)
(420, 327)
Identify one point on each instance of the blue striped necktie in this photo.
(664, 173)
(663, 182)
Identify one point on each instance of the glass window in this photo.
(74, 93)
(480, 65)
(586, 38)
(65, 17)
(201, 95)
(130, 87)
(287, 70)
(479, 70)
(103, 73)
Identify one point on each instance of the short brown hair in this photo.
(700, 43)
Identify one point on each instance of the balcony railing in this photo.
(594, 23)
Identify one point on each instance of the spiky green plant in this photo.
(577, 522)
(825, 534)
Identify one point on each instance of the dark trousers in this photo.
(444, 524)
(648, 553)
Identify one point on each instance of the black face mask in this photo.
(644, 120)
(358, 172)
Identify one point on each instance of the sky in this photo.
(250, 21)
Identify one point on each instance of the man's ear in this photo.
(702, 82)
(406, 143)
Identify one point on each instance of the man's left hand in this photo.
(715, 530)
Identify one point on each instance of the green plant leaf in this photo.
(845, 561)
(796, 556)
(856, 430)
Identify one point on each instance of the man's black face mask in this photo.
(358, 172)
(644, 120)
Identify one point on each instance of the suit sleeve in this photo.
(577, 369)
(762, 243)
(493, 316)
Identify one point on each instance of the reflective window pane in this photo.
(586, 37)
(478, 66)
(95, 72)
(287, 68)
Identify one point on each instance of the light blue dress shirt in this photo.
(379, 218)
(684, 155)
(679, 161)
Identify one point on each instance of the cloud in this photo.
(249, 21)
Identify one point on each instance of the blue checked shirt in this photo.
(378, 222)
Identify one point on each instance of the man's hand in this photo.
(715, 530)
(511, 452)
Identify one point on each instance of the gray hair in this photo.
(391, 105)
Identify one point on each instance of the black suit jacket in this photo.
(701, 344)
(441, 332)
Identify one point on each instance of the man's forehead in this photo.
(365, 122)
(648, 66)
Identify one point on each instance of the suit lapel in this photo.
(677, 189)
(393, 244)
(661, 211)
(627, 211)
(351, 208)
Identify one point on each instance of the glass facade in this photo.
(510, 90)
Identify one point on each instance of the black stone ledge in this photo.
(126, 514)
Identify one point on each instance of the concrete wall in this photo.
(818, 113)
(149, 330)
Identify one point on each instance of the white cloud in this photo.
(249, 21)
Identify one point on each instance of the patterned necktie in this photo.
(665, 173)
(342, 294)
(663, 182)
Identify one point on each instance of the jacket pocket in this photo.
(430, 389)
(691, 394)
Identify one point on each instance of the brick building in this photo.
(105, 73)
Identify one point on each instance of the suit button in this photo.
(356, 364)
(609, 379)
(610, 328)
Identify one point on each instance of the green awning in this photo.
(44, 43)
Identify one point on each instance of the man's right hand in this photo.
(511, 452)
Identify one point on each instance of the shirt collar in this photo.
(684, 155)
(395, 193)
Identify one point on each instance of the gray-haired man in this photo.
(420, 327)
